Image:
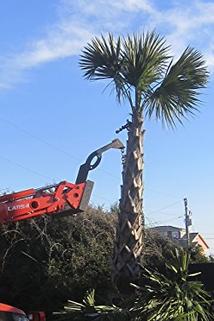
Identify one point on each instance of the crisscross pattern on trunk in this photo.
(130, 229)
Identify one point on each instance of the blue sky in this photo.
(51, 118)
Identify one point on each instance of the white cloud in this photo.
(133, 5)
(65, 39)
(80, 20)
(191, 23)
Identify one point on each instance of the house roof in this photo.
(166, 226)
(193, 236)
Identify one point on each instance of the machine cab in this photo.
(10, 313)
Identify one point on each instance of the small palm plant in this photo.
(88, 310)
(172, 295)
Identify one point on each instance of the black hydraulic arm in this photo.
(97, 155)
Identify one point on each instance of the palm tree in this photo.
(141, 71)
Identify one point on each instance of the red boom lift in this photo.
(62, 198)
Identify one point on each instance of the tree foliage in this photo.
(46, 261)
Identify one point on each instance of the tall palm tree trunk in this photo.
(130, 229)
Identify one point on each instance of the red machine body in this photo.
(10, 313)
(53, 199)
(11, 309)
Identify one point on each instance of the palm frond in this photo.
(177, 95)
(135, 62)
(102, 59)
(88, 310)
(145, 59)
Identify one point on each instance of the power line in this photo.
(56, 148)
(162, 193)
(166, 207)
(35, 172)
(5, 190)
(151, 221)
(38, 138)
(166, 221)
(26, 168)
(77, 159)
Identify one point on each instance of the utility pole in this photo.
(187, 223)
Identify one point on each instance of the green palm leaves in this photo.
(173, 295)
(176, 96)
(88, 310)
(141, 70)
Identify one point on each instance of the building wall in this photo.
(178, 234)
(170, 231)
